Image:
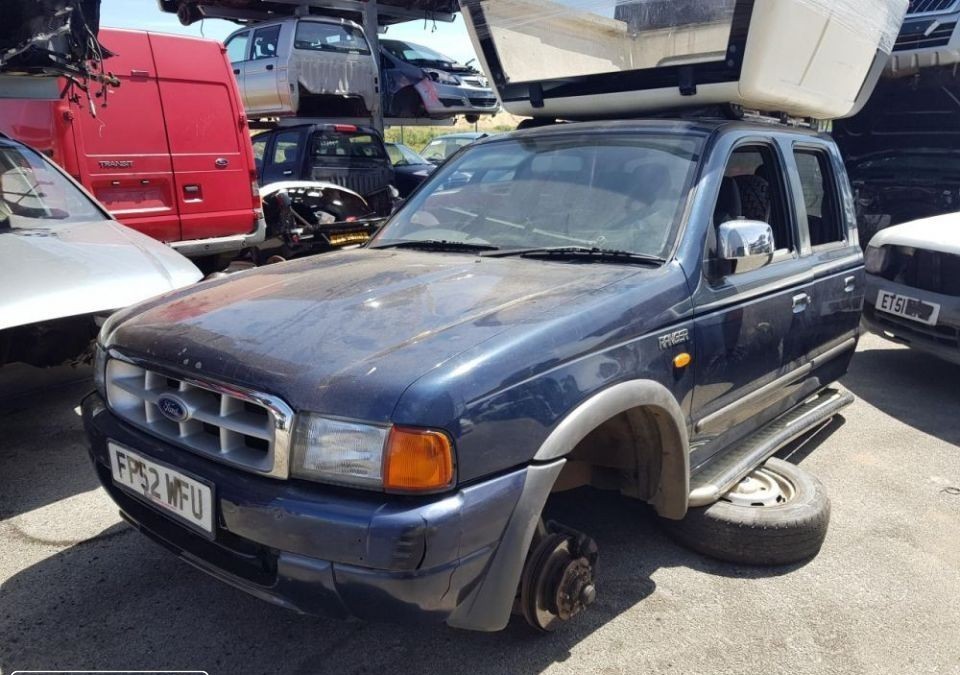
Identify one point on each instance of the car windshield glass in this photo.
(335, 144)
(618, 192)
(34, 195)
(407, 155)
(416, 54)
(330, 37)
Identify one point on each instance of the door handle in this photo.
(288, 173)
(849, 284)
(800, 303)
(236, 71)
(269, 66)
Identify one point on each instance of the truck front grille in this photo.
(926, 6)
(931, 271)
(228, 424)
(938, 37)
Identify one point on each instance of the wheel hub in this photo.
(761, 488)
(558, 580)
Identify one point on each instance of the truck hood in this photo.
(940, 233)
(83, 268)
(347, 333)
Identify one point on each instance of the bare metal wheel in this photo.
(777, 515)
(762, 487)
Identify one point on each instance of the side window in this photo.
(265, 43)
(820, 197)
(237, 47)
(753, 189)
(259, 150)
(287, 148)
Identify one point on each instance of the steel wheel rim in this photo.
(762, 488)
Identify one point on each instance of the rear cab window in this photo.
(348, 147)
(821, 214)
(330, 37)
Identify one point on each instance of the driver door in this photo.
(749, 327)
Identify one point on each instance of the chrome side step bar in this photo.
(720, 475)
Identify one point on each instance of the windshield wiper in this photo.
(581, 252)
(440, 245)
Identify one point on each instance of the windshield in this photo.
(401, 155)
(441, 148)
(415, 54)
(330, 37)
(620, 192)
(34, 195)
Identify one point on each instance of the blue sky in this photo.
(449, 39)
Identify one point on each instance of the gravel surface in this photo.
(81, 590)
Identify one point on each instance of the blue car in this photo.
(653, 308)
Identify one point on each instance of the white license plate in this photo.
(909, 308)
(171, 491)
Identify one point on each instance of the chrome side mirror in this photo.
(745, 245)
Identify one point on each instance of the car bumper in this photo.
(195, 248)
(448, 99)
(926, 41)
(942, 340)
(323, 550)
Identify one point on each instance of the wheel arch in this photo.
(672, 484)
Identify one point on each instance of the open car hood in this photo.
(904, 116)
(83, 268)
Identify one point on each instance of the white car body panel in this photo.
(940, 233)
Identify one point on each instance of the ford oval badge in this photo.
(173, 408)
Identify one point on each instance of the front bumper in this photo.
(449, 99)
(195, 248)
(942, 340)
(926, 41)
(323, 550)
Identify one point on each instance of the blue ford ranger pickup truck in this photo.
(653, 307)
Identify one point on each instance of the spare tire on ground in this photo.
(778, 515)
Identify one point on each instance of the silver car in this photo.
(65, 263)
(420, 82)
(309, 67)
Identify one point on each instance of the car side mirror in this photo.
(745, 245)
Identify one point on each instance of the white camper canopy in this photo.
(579, 59)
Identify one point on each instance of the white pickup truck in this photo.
(306, 67)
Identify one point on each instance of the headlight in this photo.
(99, 370)
(442, 77)
(394, 459)
(876, 259)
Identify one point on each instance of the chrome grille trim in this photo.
(226, 423)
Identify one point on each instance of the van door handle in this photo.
(849, 284)
(269, 66)
(800, 303)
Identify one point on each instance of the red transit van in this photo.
(169, 155)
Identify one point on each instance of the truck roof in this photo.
(700, 125)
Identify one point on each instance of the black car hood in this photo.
(904, 115)
(347, 333)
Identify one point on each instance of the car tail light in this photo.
(345, 128)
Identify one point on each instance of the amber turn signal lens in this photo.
(418, 460)
(682, 360)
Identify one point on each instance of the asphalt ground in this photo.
(81, 590)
